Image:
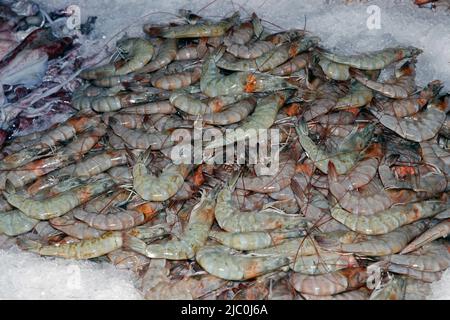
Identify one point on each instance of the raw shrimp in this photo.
(433, 257)
(325, 98)
(162, 107)
(419, 127)
(58, 205)
(272, 183)
(373, 60)
(138, 53)
(333, 70)
(388, 220)
(254, 239)
(129, 121)
(298, 62)
(240, 35)
(85, 249)
(290, 248)
(250, 50)
(119, 220)
(140, 139)
(262, 118)
(160, 188)
(323, 262)
(268, 60)
(366, 200)
(401, 108)
(213, 83)
(358, 96)
(416, 274)
(130, 260)
(193, 238)
(330, 283)
(187, 103)
(166, 54)
(343, 160)
(433, 155)
(191, 52)
(194, 31)
(218, 261)
(231, 114)
(399, 88)
(14, 222)
(75, 228)
(177, 80)
(440, 230)
(231, 219)
(51, 138)
(382, 245)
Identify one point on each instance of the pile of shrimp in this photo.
(355, 210)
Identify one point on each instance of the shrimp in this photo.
(330, 283)
(166, 54)
(251, 50)
(120, 220)
(416, 274)
(419, 127)
(367, 200)
(14, 222)
(431, 258)
(231, 219)
(85, 249)
(177, 80)
(140, 139)
(75, 228)
(325, 99)
(63, 132)
(58, 205)
(400, 88)
(161, 107)
(381, 245)
(213, 83)
(333, 70)
(262, 118)
(119, 101)
(193, 31)
(240, 35)
(442, 229)
(271, 59)
(254, 239)
(232, 114)
(343, 160)
(401, 108)
(433, 155)
(387, 220)
(268, 184)
(127, 120)
(191, 52)
(373, 60)
(422, 178)
(193, 238)
(138, 53)
(298, 62)
(188, 103)
(218, 261)
(323, 262)
(151, 188)
(358, 96)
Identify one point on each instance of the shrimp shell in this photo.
(330, 283)
(390, 219)
(218, 261)
(120, 220)
(85, 249)
(75, 228)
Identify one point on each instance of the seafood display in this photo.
(154, 169)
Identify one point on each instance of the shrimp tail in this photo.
(134, 244)
(145, 156)
(9, 187)
(130, 156)
(332, 173)
(29, 245)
